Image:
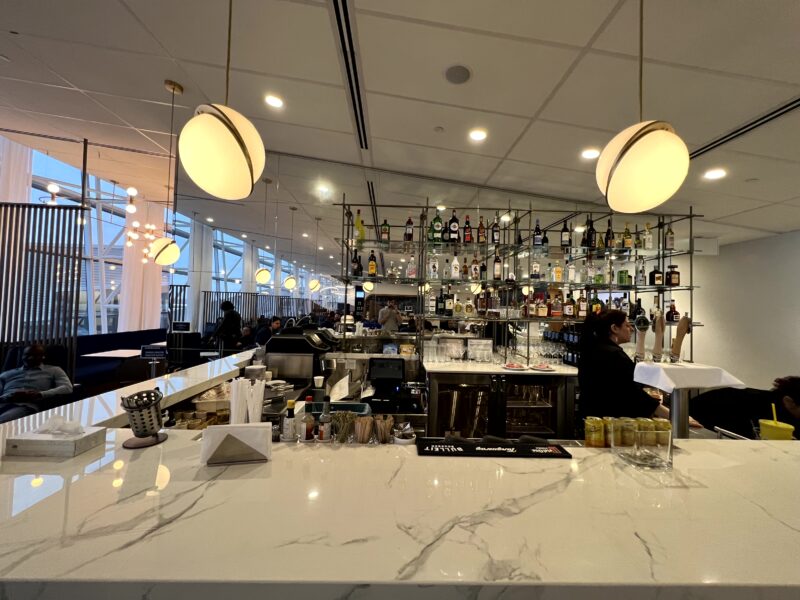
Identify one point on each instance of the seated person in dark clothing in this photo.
(22, 389)
(605, 372)
(248, 339)
(229, 329)
(739, 410)
(266, 332)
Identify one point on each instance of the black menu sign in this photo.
(509, 449)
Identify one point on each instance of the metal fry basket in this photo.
(144, 415)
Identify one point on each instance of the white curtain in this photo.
(15, 171)
(249, 266)
(140, 292)
(201, 265)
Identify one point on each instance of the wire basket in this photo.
(144, 416)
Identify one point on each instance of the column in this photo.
(201, 267)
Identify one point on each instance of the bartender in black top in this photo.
(605, 371)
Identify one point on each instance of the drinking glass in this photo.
(651, 450)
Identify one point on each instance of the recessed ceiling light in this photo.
(715, 174)
(305, 235)
(267, 246)
(331, 257)
(478, 135)
(440, 207)
(338, 263)
(320, 248)
(590, 153)
(505, 218)
(457, 74)
(580, 228)
(244, 235)
(402, 260)
(273, 101)
(210, 219)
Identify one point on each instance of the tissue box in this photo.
(57, 445)
(229, 444)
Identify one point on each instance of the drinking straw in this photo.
(774, 414)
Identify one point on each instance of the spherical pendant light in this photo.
(263, 276)
(290, 282)
(368, 286)
(314, 285)
(475, 288)
(164, 251)
(642, 166)
(221, 152)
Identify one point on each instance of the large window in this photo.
(228, 262)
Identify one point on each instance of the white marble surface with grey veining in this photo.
(380, 522)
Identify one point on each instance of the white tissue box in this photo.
(58, 445)
(229, 444)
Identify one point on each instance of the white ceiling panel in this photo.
(507, 76)
(112, 71)
(727, 35)
(533, 19)
(148, 115)
(47, 99)
(293, 139)
(432, 161)
(269, 36)
(770, 180)
(778, 139)
(106, 134)
(565, 183)
(726, 234)
(793, 201)
(309, 104)
(413, 121)
(602, 93)
(98, 22)
(559, 145)
(711, 205)
(775, 217)
(21, 65)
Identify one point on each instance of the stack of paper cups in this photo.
(255, 401)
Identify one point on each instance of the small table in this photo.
(121, 353)
(676, 379)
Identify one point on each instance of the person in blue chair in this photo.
(23, 389)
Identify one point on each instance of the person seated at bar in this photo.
(267, 331)
(605, 371)
(248, 339)
(229, 329)
(22, 389)
(739, 411)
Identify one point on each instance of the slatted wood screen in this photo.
(177, 302)
(251, 305)
(40, 274)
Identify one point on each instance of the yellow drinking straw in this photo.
(774, 414)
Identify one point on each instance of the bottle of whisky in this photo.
(656, 276)
(673, 276)
(627, 238)
(440, 302)
(475, 268)
(673, 315)
(565, 236)
(454, 229)
(385, 231)
(449, 302)
(542, 308)
(557, 306)
(569, 307)
(497, 272)
(481, 231)
(467, 231)
(591, 236)
(372, 264)
(464, 269)
(354, 264)
(582, 308)
(455, 268)
(545, 243)
(496, 229)
(433, 267)
(483, 271)
(408, 234)
(609, 241)
(435, 232)
(669, 238)
(596, 305)
(537, 236)
(558, 273)
(648, 237)
(536, 269)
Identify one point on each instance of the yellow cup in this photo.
(775, 430)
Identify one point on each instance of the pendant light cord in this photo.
(228, 61)
(641, 60)
(169, 166)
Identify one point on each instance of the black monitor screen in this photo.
(386, 369)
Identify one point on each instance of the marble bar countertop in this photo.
(494, 368)
(105, 409)
(357, 522)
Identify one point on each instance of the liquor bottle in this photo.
(497, 272)
(467, 231)
(455, 268)
(458, 307)
(411, 268)
(360, 231)
(558, 273)
(624, 304)
(673, 315)
(446, 274)
(360, 272)
(591, 236)
(483, 271)
(569, 307)
(542, 308)
(600, 242)
(591, 272)
(433, 267)
(627, 238)
(572, 272)
(392, 274)
(287, 431)
(475, 268)
(454, 232)
(584, 238)
(583, 274)
(608, 272)
(445, 232)
(372, 264)
(496, 229)
(354, 264)
(545, 243)
(435, 232)
(481, 231)
(596, 305)
(408, 234)
(636, 309)
(432, 304)
(548, 274)
(537, 235)
(673, 276)
(637, 239)
(609, 240)
(448, 303)
(469, 308)
(557, 306)
(535, 269)
(324, 430)
(308, 422)
(385, 231)
(656, 276)
(641, 276)
(566, 236)
(464, 269)
(582, 306)
(655, 312)
(669, 238)
(440, 302)
(648, 237)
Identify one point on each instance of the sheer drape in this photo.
(15, 171)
